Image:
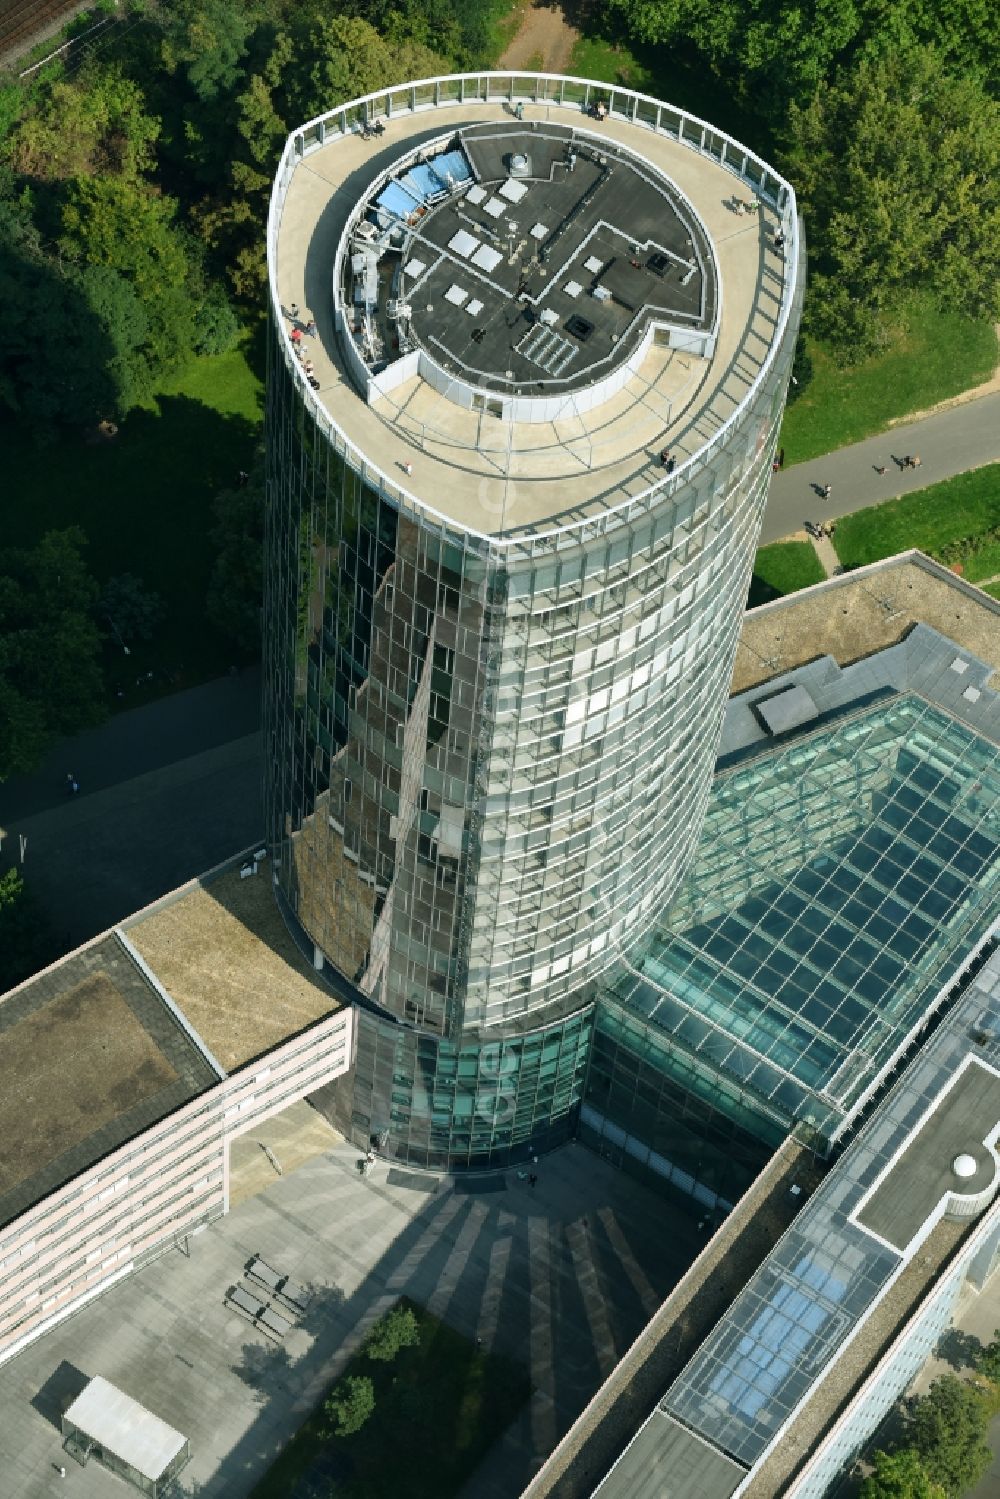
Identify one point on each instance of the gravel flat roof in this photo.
(90, 1056)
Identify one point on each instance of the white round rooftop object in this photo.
(964, 1165)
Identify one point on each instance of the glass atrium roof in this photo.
(826, 1274)
(840, 880)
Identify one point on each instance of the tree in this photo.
(897, 166)
(50, 677)
(130, 609)
(236, 590)
(946, 1428)
(900, 1475)
(95, 125)
(207, 39)
(26, 938)
(48, 307)
(987, 1360)
(338, 57)
(398, 1329)
(110, 221)
(350, 1405)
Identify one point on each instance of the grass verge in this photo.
(782, 568)
(930, 519)
(937, 355)
(439, 1407)
(144, 501)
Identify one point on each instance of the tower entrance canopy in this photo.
(522, 271)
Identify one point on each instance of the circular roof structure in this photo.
(964, 1166)
(527, 261)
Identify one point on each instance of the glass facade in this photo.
(651, 1106)
(490, 756)
(455, 1104)
(838, 885)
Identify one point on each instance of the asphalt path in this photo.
(138, 741)
(166, 791)
(947, 442)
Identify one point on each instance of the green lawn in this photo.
(929, 519)
(993, 589)
(439, 1407)
(144, 502)
(938, 355)
(783, 568)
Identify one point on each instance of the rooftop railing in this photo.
(576, 95)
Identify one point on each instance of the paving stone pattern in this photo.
(563, 1276)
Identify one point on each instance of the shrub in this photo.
(396, 1330)
(350, 1405)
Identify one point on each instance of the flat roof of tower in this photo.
(498, 474)
(527, 260)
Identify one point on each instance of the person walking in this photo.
(915, 461)
(827, 490)
(296, 337)
(293, 312)
(72, 784)
(311, 329)
(880, 468)
(407, 469)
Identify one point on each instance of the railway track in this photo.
(21, 21)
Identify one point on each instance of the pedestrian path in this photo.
(826, 552)
(948, 442)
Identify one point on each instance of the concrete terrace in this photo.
(498, 477)
(561, 1278)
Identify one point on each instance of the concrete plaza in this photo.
(561, 1277)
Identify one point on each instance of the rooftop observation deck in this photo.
(484, 466)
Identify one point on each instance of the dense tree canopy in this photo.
(898, 170)
(900, 1475)
(947, 1430)
(50, 677)
(234, 598)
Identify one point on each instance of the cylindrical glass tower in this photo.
(515, 483)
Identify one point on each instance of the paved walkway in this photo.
(948, 442)
(561, 1278)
